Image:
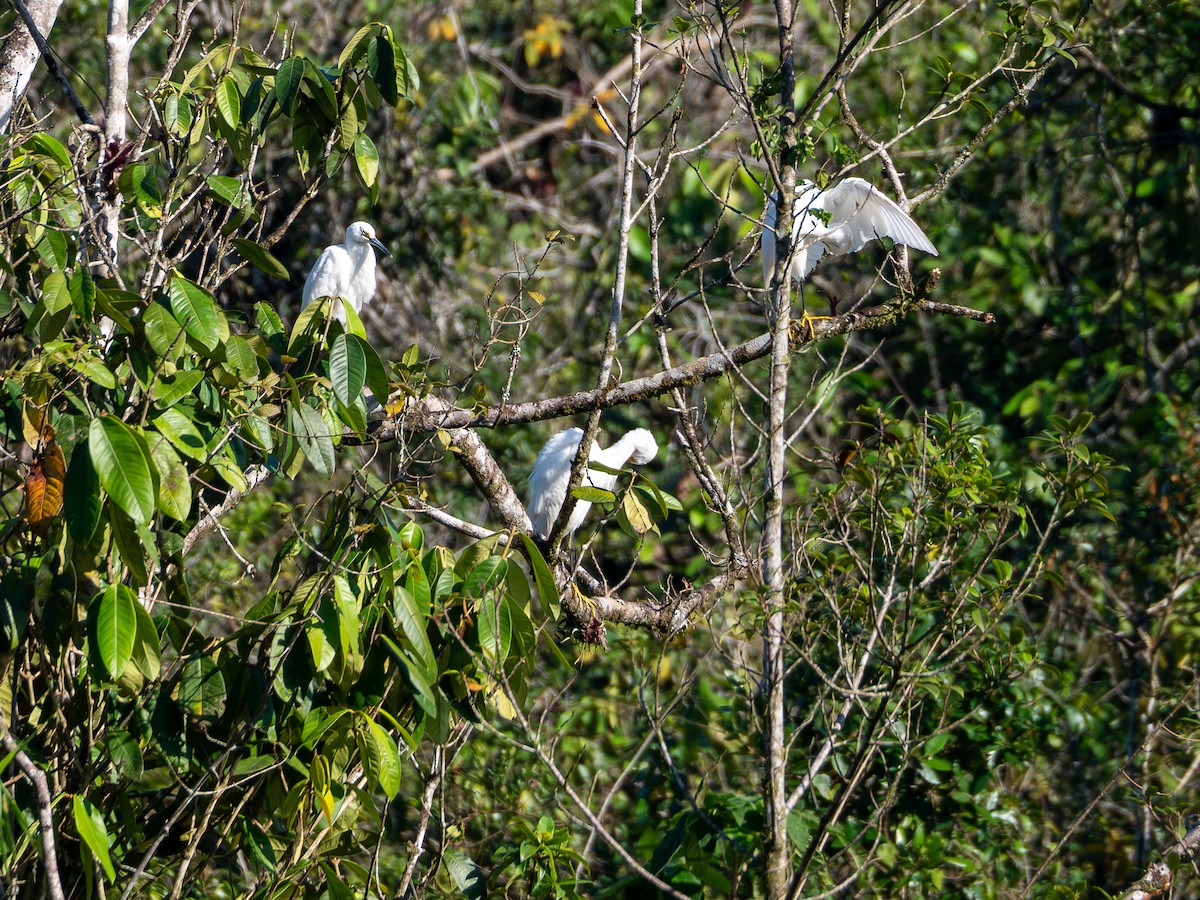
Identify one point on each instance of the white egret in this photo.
(346, 270)
(857, 213)
(552, 471)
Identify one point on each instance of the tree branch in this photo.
(45, 809)
(1158, 878)
(35, 33)
(432, 415)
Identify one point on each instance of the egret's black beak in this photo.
(375, 242)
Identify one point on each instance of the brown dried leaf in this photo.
(44, 487)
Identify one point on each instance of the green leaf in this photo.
(322, 92)
(202, 687)
(90, 825)
(139, 181)
(229, 101)
(229, 190)
(164, 334)
(182, 432)
(543, 578)
(366, 160)
(484, 576)
(495, 629)
(287, 83)
(348, 367)
(308, 139)
(380, 757)
(81, 496)
(174, 489)
(591, 494)
(356, 48)
(426, 697)
(261, 258)
(113, 619)
(196, 310)
(147, 648)
(348, 127)
(122, 460)
(407, 614)
(381, 63)
(56, 295)
(170, 390)
(241, 358)
(83, 293)
(312, 433)
(48, 146)
(269, 323)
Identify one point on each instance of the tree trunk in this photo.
(777, 860)
(116, 117)
(20, 54)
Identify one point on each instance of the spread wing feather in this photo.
(867, 214)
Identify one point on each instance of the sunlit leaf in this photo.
(113, 620)
(261, 258)
(122, 460)
(196, 311)
(90, 825)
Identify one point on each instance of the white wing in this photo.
(548, 480)
(329, 276)
(865, 214)
(767, 244)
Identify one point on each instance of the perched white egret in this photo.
(857, 213)
(346, 270)
(552, 471)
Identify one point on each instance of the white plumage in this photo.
(858, 213)
(552, 471)
(346, 270)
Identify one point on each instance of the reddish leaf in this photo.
(44, 487)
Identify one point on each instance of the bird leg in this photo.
(804, 329)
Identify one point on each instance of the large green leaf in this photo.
(312, 433)
(81, 495)
(412, 625)
(196, 311)
(167, 391)
(182, 432)
(380, 757)
(174, 488)
(543, 578)
(90, 825)
(147, 649)
(229, 101)
(164, 334)
(366, 162)
(348, 367)
(113, 619)
(261, 258)
(381, 63)
(287, 83)
(122, 460)
(202, 687)
(495, 628)
(377, 379)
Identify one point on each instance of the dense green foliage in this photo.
(257, 646)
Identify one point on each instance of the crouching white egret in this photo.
(552, 471)
(346, 270)
(857, 213)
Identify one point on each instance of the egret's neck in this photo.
(363, 256)
(620, 452)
